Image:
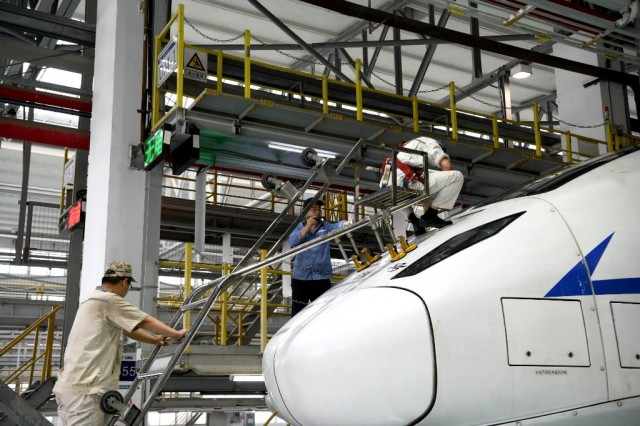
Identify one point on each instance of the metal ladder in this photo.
(321, 169)
(130, 414)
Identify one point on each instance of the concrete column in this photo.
(579, 105)
(115, 193)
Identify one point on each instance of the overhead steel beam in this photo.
(351, 44)
(44, 24)
(491, 77)
(352, 31)
(426, 60)
(374, 15)
(476, 56)
(47, 134)
(298, 40)
(39, 99)
(376, 52)
(65, 60)
(397, 62)
(46, 86)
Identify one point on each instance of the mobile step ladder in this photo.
(113, 402)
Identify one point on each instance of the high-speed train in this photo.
(525, 311)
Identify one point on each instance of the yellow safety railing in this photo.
(42, 357)
(337, 204)
(249, 296)
(611, 140)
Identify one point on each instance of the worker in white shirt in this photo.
(444, 184)
(92, 357)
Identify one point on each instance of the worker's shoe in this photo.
(431, 220)
(417, 229)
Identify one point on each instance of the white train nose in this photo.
(357, 344)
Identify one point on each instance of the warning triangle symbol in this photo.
(195, 63)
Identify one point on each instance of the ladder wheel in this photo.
(105, 401)
(266, 181)
(308, 157)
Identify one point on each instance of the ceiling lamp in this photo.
(521, 71)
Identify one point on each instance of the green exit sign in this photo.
(156, 148)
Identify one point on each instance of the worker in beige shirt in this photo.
(92, 357)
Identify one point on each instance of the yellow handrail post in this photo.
(264, 283)
(325, 94)
(567, 138)
(454, 115)
(219, 71)
(416, 122)
(496, 133)
(180, 76)
(223, 308)
(609, 133)
(536, 130)
(34, 354)
(358, 90)
(240, 328)
(247, 64)
(51, 326)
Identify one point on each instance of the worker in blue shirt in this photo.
(312, 269)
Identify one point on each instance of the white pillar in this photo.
(579, 105)
(115, 194)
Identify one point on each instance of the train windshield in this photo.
(556, 179)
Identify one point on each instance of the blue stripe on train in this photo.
(576, 281)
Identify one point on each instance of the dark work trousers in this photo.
(304, 292)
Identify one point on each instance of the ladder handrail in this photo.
(302, 247)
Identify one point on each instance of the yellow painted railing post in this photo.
(358, 90)
(325, 94)
(264, 295)
(609, 133)
(416, 121)
(34, 355)
(454, 115)
(536, 130)
(567, 138)
(496, 132)
(240, 328)
(219, 71)
(247, 64)
(180, 76)
(223, 308)
(51, 327)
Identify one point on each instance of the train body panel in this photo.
(523, 310)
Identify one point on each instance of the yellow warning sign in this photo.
(194, 62)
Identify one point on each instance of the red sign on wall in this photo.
(75, 215)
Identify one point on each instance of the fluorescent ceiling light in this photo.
(295, 148)
(246, 378)
(521, 71)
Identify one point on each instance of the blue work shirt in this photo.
(313, 263)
